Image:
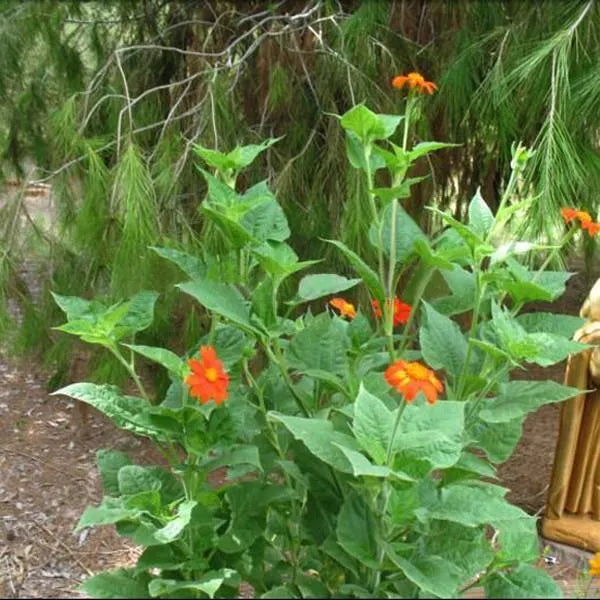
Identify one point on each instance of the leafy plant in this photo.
(326, 455)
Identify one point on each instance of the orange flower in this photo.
(583, 216)
(207, 381)
(346, 308)
(410, 378)
(401, 311)
(568, 214)
(414, 80)
(595, 565)
(591, 227)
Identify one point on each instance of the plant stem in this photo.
(130, 369)
(411, 317)
(376, 221)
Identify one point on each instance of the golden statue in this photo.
(572, 513)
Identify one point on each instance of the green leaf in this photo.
(266, 219)
(319, 436)
(108, 512)
(518, 398)
(481, 218)
(224, 299)
(312, 287)
(192, 266)
(109, 462)
(524, 581)
(367, 125)
(497, 440)
(369, 276)
(402, 191)
(431, 574)
(442, 343)
(236, 159)
(356, 154)
(208, 584)
(356, 529)
(162, 356)
(134, 479)
(140, 313)
(407, 233)
(474, 503)
(423, 148)
(462, 285)
(242, 455)
(372, 425)
(118, 583)
(562, 325)
(321, 345)
(174, 528)
(78, 308)
(128, 412)
(518, 539)
(361, 466)
(432, 433)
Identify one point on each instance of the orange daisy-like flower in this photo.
(414, 81)
(346, 308)
(401, 311)
(595, 565)
(591, 227)
(410, 378)
(207, 381)
(568, 214)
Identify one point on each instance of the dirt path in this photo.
(48, 477)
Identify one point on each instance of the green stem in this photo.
(479, 292)
(411, 317)
(375, 215)
(384, 495)
(130, 369)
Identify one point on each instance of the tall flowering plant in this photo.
(357, 446)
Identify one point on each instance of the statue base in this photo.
(575, 530)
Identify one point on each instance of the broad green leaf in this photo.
(312, 287)
(407, 233)
(563, 325)
(221, 298)
(497, 440)
(442, 343)
(118, 583)
(518, 539)
(321, 345)
(228, 223)
(162, 356)
(356, 529)
(524, 581)
(518, 398)
(372, 425)
(192, 266)
(229, 342)
(77, 308)
(208, 584)
(355, 152)
(481, 218)
(367, 125)
(463, 287)
(467, 233)
(166, 556)
(140, 313)
(319, 436)
(361, 466)
(431, 257)
(423, 148)
(432, 433)
(246, 454)
(474, 503)
(109, 462)
(126, 411)
(174, 528)
(465, 548)
(402, 191)
(266, 219)
(134, 479)
(369, 276)
(279, 260)
(431, 574)
(108, 512)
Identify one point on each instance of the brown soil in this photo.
(48, 477)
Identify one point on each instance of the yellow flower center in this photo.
(417, 371)
(211, 374)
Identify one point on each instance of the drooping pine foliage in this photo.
(107, 100)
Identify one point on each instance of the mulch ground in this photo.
(48, 477)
